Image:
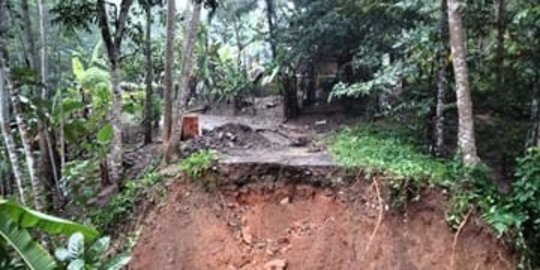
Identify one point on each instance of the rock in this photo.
(247, 237)
(277, 264)
(285, 201)
(320, 123)
(230, 136)
(260, 245)
(299, 142)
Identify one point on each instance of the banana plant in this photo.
(15, 220)
(75, 257)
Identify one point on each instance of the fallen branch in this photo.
(379, 219)
(456, 236)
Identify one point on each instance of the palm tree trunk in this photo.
(187, 64)
(9, 141)
(441, 82)
(466, 138)
(17, 109)
(25, 139)
(149, 74)
(37, 185)
(169, 63)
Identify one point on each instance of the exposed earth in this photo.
(288, 225)
(283, 203)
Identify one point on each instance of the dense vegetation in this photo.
(447, 90)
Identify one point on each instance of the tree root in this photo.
(379, 220)
(456, 236)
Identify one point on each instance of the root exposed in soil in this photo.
(299, 226)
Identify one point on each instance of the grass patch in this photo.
(392, 152)
(381, 149)
(197, 167)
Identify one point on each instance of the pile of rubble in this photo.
(227, 137)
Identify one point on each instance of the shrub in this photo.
(196, 166)
(123, 204)
(518, 214)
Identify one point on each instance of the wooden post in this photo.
(190, 126)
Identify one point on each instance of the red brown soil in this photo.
(307, 228)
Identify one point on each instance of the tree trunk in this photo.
(113, 45)
(47, 157)
(7, 136)
(116, 122)
(148, 80)
(17, 108)
(290, 98)
(466, 138)
(239, 45)
(270, 14)
(169, 64)
(187, 64)
(533, 136)
(62, 135)
(23, 130)
(499, 57)
(29, 35)
(44, 54)
(441, 82)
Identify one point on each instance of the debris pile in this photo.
(227, 137)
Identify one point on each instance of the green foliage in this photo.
(375, 149)
(75, 257)
(27, 218)
(105, 134)
(384, 80)
(222, 76)
(15, 220)
(515, 215)
(388, 151)
(34, 256)
(81, 182)
(469, 187)
(198, 163)
(122, 206)
(526, 207)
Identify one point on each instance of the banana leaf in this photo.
(27, 218)
(34, 255)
